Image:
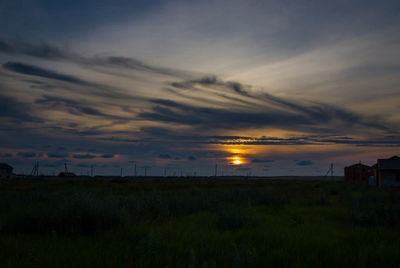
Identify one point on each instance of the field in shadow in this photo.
(197, 223)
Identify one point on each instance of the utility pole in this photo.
(134, 167)
(35, 170)
(216, 168)
(121, 173)
(330, 170)
(91, 170)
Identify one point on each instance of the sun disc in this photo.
(237, 162)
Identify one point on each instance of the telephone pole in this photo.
(35, 170)
(134, 167)
(330, 170)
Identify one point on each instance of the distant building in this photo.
(6, 171)
(388, 171)
(359, 173)
(66, 174)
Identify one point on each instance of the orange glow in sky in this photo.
(237, 160)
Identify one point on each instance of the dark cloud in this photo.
(50, 52)
(304, 163)
(207, 80)
(17, 111)
(168, 111)
(164, 156)
(133, 64)
(84, 156)
(300, 140)
(6, 155)
(56, 155)
(191, 158)
(158, 132)
(213, 81)
(27, 69)
(72, 106)
(313, 113)
(42, 50)
(107, 156)
(26, 154)
(256, 160)
(238, 88)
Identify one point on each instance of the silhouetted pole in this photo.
(135, 170)
(91, 170)
(134, 167)
(121, 172)
(330, 170)
(216, 167)
(35, 170)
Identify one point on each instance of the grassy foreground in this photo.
(197, 223)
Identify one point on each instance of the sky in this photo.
(263, 88)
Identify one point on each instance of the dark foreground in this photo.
(197, 223)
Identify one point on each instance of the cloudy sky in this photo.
(259, 87)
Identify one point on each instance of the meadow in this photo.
(202, 222)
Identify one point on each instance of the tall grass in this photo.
(195, 223)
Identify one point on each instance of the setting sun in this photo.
(237, 160)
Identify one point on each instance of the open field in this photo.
(197, 223)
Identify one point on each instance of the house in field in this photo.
(388, 171)
(359, 173)
(6, 171)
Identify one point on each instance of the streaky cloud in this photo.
(32, 70)
(50, 52)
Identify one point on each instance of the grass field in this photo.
(197, 223)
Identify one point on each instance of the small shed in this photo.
(6, 171)
(358, 173)
(388, 171)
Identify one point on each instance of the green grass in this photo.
(197, 223)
